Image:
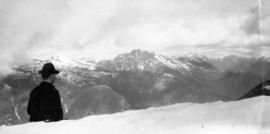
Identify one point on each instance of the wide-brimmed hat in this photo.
(48, 69)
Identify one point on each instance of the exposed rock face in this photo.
(261, 89)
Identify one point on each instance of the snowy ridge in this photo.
(174, 64)
(59, 63)
(250, 116)
(196, 56)
(79, 62)
(71, 70)
(144, 60)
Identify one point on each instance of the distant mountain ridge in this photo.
(135, 80)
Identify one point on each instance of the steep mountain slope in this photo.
(230, 62)
(259, 66)
(202, 70)
(96, 100)
(15, 93)
(147, 79)
(234, 84)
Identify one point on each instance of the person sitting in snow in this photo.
(44, 102)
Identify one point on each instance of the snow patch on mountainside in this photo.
(59, 63)
(196, 56)
(78, 62)
(267, 87)
(174, 64)
(250, 116)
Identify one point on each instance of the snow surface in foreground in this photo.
(249, 116)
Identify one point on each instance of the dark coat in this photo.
(45, 104)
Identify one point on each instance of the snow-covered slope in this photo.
(174, 64)
(59, 62)
(72, 70)
(250, 116)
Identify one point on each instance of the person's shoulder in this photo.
(40, 88)
(35, 91)
(36, 88)
(55, 91)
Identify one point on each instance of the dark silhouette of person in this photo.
(44, 102)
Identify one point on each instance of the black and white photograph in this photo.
(134, 66)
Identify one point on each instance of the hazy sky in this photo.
(101, 29)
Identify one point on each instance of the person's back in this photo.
(44, 102)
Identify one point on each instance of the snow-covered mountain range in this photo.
(135, 80)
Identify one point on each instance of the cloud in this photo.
(251, 24)
(156, 25)
(102, 29)
(24, 25)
